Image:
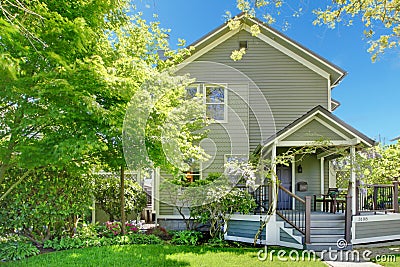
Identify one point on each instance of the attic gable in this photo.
(275, 39)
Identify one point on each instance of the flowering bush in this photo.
(133, 226)
(115, 228)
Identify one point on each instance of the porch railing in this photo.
(261, 196)
(377, 197)
(348, 214)
(297, 216)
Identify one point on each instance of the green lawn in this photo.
(156, 255)
(389, 261)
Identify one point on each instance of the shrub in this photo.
(186, 238)
(47, 204)
(111, 229)
(17, 250)
(221, 203)
(76, 242)
(107, 194)
(161, 232)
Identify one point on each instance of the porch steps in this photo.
(326, 229)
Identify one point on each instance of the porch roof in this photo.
(337, 127)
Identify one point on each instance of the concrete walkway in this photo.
(389, 248)
(351, 264)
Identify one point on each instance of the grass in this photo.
(392, 260)
(158, 255)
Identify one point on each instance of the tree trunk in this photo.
(122, 199)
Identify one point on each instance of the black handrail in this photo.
(297, 216)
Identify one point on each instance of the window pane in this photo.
(215, 95)
(191, 92)
(216, 111)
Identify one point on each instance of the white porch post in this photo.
(293, 182)
(332, 175)
(157, 192)
(353, 179)
(273, 178)
(322, 174)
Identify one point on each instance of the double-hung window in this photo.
(214, 97)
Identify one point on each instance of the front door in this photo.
(284, 174)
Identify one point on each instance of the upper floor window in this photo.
(214, 97)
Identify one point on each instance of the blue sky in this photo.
(369, 94)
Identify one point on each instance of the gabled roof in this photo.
(275, 39)
(335, 104)
(332, 119)
(395, 139)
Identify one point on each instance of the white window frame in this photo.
(202, 90)
(200, 175)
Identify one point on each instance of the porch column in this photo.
(353, 180)
(322, 174)
(294, 182)
(273, 179)
(156, 183)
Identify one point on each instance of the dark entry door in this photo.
(285, 177)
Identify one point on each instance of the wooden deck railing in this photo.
(377, 198)
(298, 216)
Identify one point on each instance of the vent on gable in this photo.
(242, 44)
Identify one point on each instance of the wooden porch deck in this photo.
(295, 221)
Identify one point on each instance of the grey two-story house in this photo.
(278, 96)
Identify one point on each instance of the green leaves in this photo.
(106, 192)
(45, 204)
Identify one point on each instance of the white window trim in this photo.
(225, 103)
(202, 89)
(200, 171)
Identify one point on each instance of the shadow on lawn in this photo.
(137, 255)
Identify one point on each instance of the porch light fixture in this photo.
(299, 169)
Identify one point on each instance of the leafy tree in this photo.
(107, 194)
(68, 73)
(49, 203)
(50, 83)
(377, 165)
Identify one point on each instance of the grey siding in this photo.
(348, 135)
(311, 174)
(164, 208)
(377, 228)
(246, 229)
(229, 137)
(313, 131)
(290, 88)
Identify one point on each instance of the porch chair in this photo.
(332, 201)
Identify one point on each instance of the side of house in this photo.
(275, 83)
